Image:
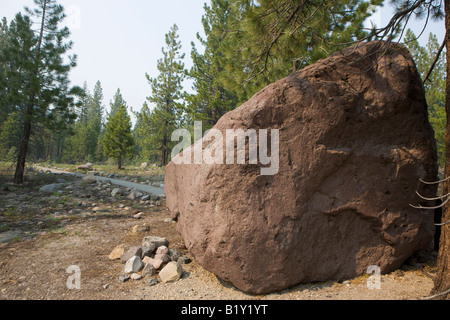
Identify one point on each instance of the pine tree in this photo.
(116, 102)
(267, 40)
(166, 94)
(211, 100)
(434, 86)
(118, 140)
(38, 76)
(94, 122)
(142, 133)
(10, 135)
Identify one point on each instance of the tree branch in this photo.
(436, 59)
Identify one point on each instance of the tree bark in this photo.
(23, 151)
(442, 280)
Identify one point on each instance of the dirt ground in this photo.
(42, 235)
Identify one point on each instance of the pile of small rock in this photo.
(152, 258)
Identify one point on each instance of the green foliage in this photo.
(86, 134)
(116, 103)
(267, 40)
(35, 64)
(211, 100)
(118, 141)
(155, 127)
(434, 87)
(10, 135)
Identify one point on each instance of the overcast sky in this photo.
(118, 41)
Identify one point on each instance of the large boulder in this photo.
(354, 140)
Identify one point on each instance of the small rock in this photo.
(124, 278)
(172, 272)
(139, 215)
(162, 250)
(90, 179)
(133, 265)
(174, 255)
(97, 209)
(163, 257)
(147, 251)
(132, 252)
(134, 194)
(146, 197)
(156, 241)
(116, 192)
(136, 276)
(117, 252)
(156, 263)
(152, 282)
(144, 165)
(149, 270)
(51, 187)
(106, 286)
(140, 228)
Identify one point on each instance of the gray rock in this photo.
(136, 276)
(133, 265)
(124, 278)
(90, 179)
(149, 270)
(146, 197)
(117, 192)
(184, 260)
(51, 187)
(172, 272)
(148, 250)
(152, 282)
(174, 255)
(156, 241)
(134, 194)
(132, 252)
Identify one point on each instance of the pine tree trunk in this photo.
(119, 163)
(442, 280)
(23, 151)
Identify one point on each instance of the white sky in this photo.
(118, 41)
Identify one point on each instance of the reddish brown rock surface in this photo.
(354, 142)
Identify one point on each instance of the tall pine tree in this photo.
(166, 95)
(42, 96)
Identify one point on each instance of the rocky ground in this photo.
(79, 223)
